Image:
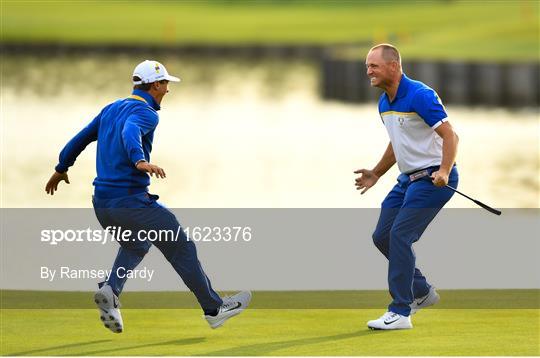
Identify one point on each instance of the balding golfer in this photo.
(124, 131)
(424, 145)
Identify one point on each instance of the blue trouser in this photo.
(405, 213)
(143, 212)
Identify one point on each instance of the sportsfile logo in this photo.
(118, 234)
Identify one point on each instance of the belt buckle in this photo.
(418, 175)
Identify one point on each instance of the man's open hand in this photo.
(151, 169)
(52, 184)
(366, 180)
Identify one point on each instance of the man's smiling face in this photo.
(379, 71)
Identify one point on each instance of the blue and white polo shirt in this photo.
(411, 119)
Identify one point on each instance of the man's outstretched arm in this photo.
(69, 154)
(368, 178)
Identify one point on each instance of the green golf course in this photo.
(469, 332)
(477, 30)
(493, 331)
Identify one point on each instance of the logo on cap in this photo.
(157, 68)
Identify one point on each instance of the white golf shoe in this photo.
(108, 306)
(428, 300)
(231, 307)
(391, 320)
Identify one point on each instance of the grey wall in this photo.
(465, 83)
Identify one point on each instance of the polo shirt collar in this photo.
(403, 86)
(148, 98)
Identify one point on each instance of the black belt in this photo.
(422, 173)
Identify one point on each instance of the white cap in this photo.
(152, 71)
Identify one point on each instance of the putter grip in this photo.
(488, 208)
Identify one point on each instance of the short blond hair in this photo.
(389, 52)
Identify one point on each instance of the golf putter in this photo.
(425, 174)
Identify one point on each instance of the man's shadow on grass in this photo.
(267, 348)
(72, 345)
(176, 342)
(181, 342)
(253, 349)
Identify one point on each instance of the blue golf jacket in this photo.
(124, 131)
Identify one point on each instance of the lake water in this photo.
(241, 133)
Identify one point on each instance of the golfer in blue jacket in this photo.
(124, 131)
